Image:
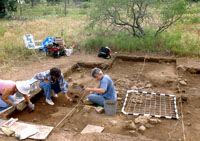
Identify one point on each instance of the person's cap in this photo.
(23, 87)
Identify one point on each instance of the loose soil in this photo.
(162, 75)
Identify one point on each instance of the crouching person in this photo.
(9, 88)
(105, 90)
(52, 82)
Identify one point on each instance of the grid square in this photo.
(150, 103)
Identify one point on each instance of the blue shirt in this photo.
(107, 84)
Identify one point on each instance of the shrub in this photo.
(170, 43)
(85, 5)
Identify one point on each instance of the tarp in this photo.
(46, 42)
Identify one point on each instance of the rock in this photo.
(113, 122)
(140, 84)
(153, 121)
(75, 84)
(181, 69)
(182, 82)
(148, 99)
(184, 97)
(188, 112)
(78, 69)
(104, 66)
(149, 125)
(82, 76)
(183, 91)
(132, 101)
(134, 88)
(119, 98)
(86, 109)
(159, 121)
(66, 129)
(134, 133)
(161, 61)
(142, 129)
(139, 101)
(69, 79)
(148, 85)
(178, 89)
(85, 115)
(142, 120)
(34, 120)
(126, 76)
(193, 70)
(188, 124)
(99, 109)
(130, 125)
(169, 80)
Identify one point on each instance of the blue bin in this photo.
(110, 107)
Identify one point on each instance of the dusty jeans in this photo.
(48, 86)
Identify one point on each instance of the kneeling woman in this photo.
(105, 90)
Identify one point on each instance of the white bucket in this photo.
(110, 107)
(68, 52)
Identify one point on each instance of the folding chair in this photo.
(30, 43)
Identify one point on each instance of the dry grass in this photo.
(11, 39)
(12, 47)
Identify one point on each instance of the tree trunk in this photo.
(32, 3)
(66, 6)
(6, 8)
(20, 9)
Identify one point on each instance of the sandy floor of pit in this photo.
(125, 74)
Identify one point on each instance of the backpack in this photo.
(105, 53)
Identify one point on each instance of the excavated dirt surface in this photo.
(162, 76)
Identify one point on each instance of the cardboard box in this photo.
(59, 40)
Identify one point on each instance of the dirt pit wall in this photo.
(140, 73)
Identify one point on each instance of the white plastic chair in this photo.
(30, 43)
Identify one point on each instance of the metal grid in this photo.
(150, 103)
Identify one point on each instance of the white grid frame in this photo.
(161, 112)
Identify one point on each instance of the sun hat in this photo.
(23, 87)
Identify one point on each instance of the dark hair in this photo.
(55, 72)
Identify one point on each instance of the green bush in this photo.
(48, 11)
(2, 31)
(195, 20)
(195, 0)
(165, 43)
(85, 5)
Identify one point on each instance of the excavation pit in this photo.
(152, 75)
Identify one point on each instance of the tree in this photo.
(137, 15)
(7, 6)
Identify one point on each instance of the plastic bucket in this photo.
(110, 107)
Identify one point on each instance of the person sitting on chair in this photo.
(105, 90)
(52, 81)
(9, 88)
